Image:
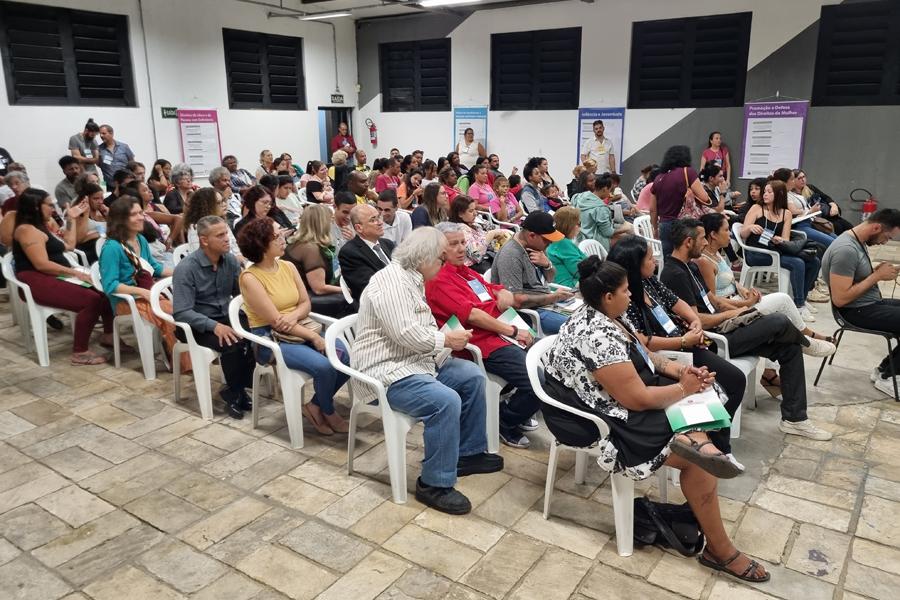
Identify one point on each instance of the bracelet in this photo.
(515, 332)
(683, 392)
(682, 343)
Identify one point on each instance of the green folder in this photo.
(511, 317)
(702, 411)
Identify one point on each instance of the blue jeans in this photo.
(551, 321)
(509, 363)
(452, 407)
(302, 357)
(665, 236)
(803, 272)
(813, 234)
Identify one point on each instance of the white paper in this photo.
(696, 413)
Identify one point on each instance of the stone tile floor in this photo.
(109, 490)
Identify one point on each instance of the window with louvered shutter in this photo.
(415, 76)
(264, 70)
(536, 70)
(688, 63)
(858, 57)
(57, 56)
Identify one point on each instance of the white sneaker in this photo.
(530, 425)
(819, 348)
(806, 314)
(805, 429)
(885, 386)
(811, 308)
(735, 462)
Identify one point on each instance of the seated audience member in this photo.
(339, 171)
(523, 268)
(796, 204)
(167, 228)
(646, 194)
(772, 336)
(573, 187)
(460, 291)
(479, 243)
(429, 173)
(550, 192)
(819, 200)
(311, 250)
(409, 194)
(479, 188)
(596, 216)
(565, 254)
(365, 254)
(207, 202)
(241, 179)
(618, 198)
(203, 284)
(530, 197)
(390, 179)
(453, 163)
(258, 204)
(266, 162)
(90, 224)
(726, 293)
(665, 322)
(287, 201)
(341, 228)
(853, 281)
(768, 225)
(318, 186)
(159, 179)
(65, 193)
(39, 262)
(358, 185)
(275, 299)
(434, 207)
(361, 165)
(397, 223)
(598, 364)
(643, 179)
(398, 343)
(220, 180)
(179, 196)
(121, 178)
(505, 207)
(448, 178)
(18, 182)
(128, 267)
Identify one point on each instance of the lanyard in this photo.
(703, 293)
(864, 249)
(637, 346)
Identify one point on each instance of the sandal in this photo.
(824, 338)
(771, 384)
(747, 575)
(717, 464)
(87, 359)
(319, 426)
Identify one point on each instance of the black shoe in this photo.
(54, 322)
(244, 401)
(232, 405)
(479, 463)
(447, 500)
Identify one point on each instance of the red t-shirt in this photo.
(718, 157)
(448, 293)
(669, 189)
(339, 141)
(386, 182)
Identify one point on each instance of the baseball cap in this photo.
(541, 223)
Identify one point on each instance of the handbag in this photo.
(821, 224)
(668, 526)
(288, 338)
(691, 208)
(742, 320)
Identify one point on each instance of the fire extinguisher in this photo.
(869, 205)
(373, 132)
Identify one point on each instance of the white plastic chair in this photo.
(201, 356)
(396, 424)
(493, 385)
(749, 274)
(290, 381)
(593, 248)
(179, 252)
(145, 333)
(622, 486)
(100, 241)
(30, 314)
(345, 289)
(511, 226)
(748, 366)
(643, 227)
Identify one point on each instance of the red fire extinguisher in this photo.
(869, 202)
(373, 132)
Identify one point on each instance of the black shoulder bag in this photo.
(668, 526)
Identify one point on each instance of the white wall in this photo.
(605, 61)
(184, 66)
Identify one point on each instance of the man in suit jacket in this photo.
(367, 253)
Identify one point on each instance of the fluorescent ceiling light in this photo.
(331, 15)
(436, 3)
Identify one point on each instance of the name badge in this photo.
(705, 297)
(765, 238)
(645, 356)
(107, 159)
(88, 153)
(479, 290)
(663, 319)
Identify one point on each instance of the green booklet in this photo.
(511, 317)
(702, 411)
(74, 280)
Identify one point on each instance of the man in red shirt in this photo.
(390, 180)
(343, 141)
(460, 291)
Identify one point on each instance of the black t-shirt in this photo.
(686, 282)
(312, 187)
(5, 159)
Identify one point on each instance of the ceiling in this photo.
(365, 9)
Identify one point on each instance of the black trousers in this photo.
(881, 316)
(237, 359)
(776, 338)
(733, 384)
(509, 363)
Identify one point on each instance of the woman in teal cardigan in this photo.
(128, 267)
(564, 254)
(596, 216)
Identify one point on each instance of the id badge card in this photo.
(765, 238)
(88, 153)
(705, 297)
(645, 356)
(663, 319)
(107, 159)
(479, 290)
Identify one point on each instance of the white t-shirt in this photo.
(599, 151)
(399, 229)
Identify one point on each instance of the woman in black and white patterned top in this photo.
(598, 364)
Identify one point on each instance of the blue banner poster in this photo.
(614, 130)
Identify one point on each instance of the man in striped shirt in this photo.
(398, 343)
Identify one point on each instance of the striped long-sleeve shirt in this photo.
(396, 334)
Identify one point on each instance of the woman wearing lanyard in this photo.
(665, 322)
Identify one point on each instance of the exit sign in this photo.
(337, 98)
(169, 112)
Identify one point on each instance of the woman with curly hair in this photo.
(204, 203)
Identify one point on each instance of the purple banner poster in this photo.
(773, 137)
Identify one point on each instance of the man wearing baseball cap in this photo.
(523, 268)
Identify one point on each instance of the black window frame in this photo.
(534, 73)
(849, 53)
(429, 94)
(78, 68)
(235, 43)
(671, 47)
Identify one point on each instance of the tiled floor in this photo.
(108, 490)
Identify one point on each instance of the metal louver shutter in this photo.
(415, 76)
(264, 70)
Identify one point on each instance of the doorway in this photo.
(329, 119)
